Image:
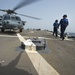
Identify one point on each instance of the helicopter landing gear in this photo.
(2, 30)
(20, 30)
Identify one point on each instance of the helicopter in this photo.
(0, 21)
(10, 20)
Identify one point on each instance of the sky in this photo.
(47, 10)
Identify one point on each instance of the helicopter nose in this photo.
(7, 22)
(19, 22)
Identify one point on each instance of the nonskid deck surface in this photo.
(57, 59)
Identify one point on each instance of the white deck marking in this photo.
(40, 64)
(35, 37)
(20, 37)
(66, 38)
(1, 61)
(7, 36)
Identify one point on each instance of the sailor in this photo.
(63, 24)
(55, 28)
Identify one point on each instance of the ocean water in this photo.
(71, 34)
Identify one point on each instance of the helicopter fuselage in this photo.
(0, 21)
(10, 21)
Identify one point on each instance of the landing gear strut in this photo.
(20, 30)
(2, 30)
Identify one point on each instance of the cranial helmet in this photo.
(64, 15)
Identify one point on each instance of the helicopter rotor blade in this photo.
(29, 16)
(24, 3)
(3, 10)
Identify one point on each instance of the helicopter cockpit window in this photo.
(6, 17)
(12, 18)
(0, 19)
(0, 16)
(18, 19)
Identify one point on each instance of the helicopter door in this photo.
(18, 20)
(20, 24)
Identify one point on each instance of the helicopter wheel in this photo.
(2, 29)
(20, 30)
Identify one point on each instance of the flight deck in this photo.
(58, 58)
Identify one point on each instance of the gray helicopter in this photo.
(10, 20)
